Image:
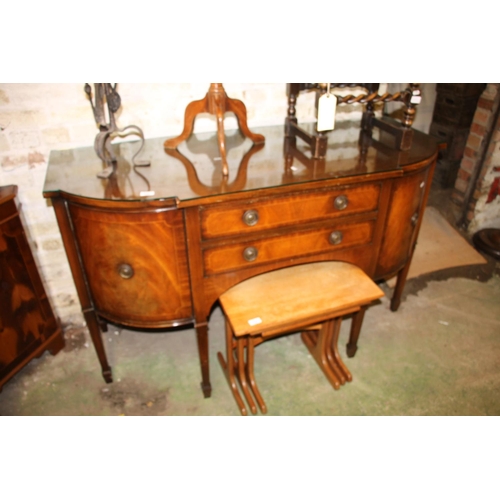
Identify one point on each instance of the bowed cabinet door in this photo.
(406, 208)
(135, 263)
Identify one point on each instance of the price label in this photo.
(254, 321)
(327, 105)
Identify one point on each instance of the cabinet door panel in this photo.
(136, 265)
(404, 212)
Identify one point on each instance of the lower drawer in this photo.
(298, 243)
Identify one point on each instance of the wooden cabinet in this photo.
(164, 258)
(28, 326)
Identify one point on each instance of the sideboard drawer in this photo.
(246, 218)
(294, 244)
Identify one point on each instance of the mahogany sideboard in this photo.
(155, 247)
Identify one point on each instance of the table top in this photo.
(194, 170)
(279, 300)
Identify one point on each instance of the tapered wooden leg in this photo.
(251, 375)
(241, 373)
(95, 334)
(228, 369)
(334, 350)
(357, 320)
(400, 284)
(202, 340)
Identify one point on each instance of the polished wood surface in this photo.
(296, 296)
(28, 326)
(292, 299)
(186, 229)
(135, 262)
(217, 103)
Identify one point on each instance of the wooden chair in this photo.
(311, 298)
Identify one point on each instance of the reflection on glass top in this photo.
(194, 170)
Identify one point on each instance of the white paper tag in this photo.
(147, 193)
(327, 105)
(254, 321)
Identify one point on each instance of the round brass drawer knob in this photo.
(340, 202)
(250, 254)
(126, 271)
(335, 237)
(251, 217)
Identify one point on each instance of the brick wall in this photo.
(476, 187)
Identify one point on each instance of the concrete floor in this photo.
(438, 355)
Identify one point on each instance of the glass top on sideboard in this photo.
(194, 170)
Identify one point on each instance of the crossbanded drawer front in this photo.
(232, 219)
(296, 244)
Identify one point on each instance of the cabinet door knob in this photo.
(335, 237)
(251, 217)
(340, 202)
(126, 271)
(250, 254)
(414, 219)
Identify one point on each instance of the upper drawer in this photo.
(243, 218)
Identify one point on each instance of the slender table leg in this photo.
(357, 320)
(202, 339)
(400, 284)
(228, 369)
(334, 350)
(330, 332)
(95, 334)
(240, 373)
(251, 375)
